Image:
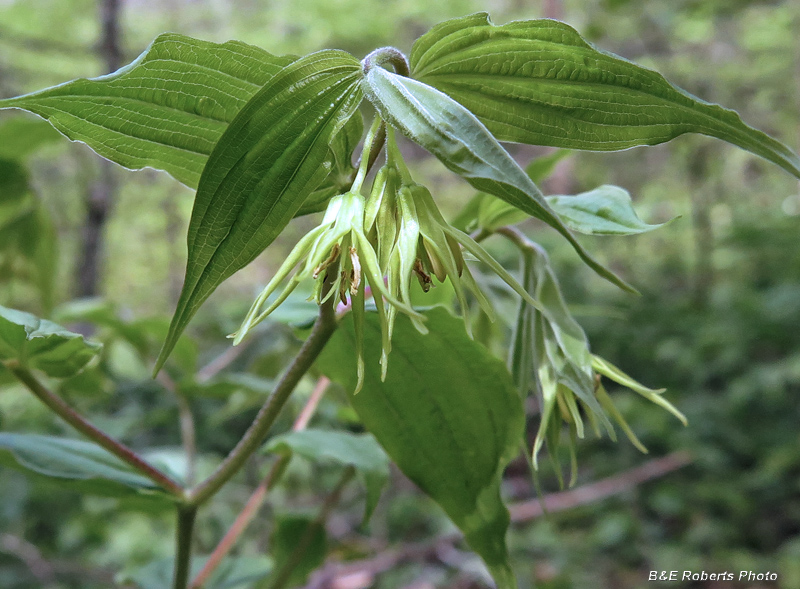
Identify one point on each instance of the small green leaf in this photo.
(606, 210)
(447, 414)
(166, 110)
(464, 145)
(82, 465)
(540, 82)
(267, 162)
(358, 450)
(289, 532)
(41, 344)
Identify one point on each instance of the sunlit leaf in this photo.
(540, 82)
(166, 110)
(447, 414)
(262, 170)
(606, 210)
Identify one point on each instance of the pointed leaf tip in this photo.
(261, 171)
(540, 82)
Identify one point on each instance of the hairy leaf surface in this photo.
(447, 414)
(261, 171)
(540, 82)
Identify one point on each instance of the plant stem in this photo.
(57, 405)
(320, 334)
(384, 55)
(186, 419)
(183, 545)
(259, 495)
(283, 576)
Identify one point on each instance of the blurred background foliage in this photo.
(718, 322)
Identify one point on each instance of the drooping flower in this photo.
(392, 241)
(340, 250)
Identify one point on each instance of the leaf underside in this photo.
(80, 464)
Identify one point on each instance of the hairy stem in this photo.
(255, 435)
(183, 546)
(57, 405)
(387, 55)
(283, 576)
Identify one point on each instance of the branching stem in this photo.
(387, 55)
(58, 406)
(255, 435)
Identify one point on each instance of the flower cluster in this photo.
(390, 241)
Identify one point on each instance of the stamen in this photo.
(355, 274)
(423, 277)
(331, 259)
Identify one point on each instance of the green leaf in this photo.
(465, 146)
(605, 210)
(358, 450)
(540, 82)
(263, 168)
(41, 344)
(166, 110)
(82, 465)
(289, 532)
(447, 414)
